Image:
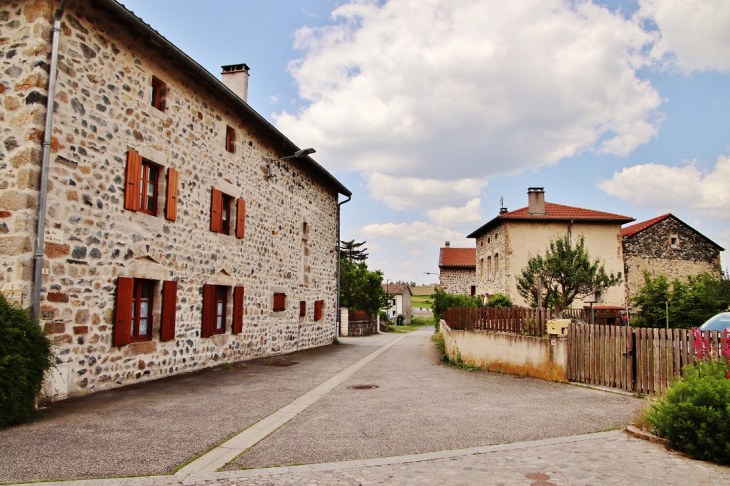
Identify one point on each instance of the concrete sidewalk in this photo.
(319, 413)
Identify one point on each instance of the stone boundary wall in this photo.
(534, 357)
(362, 328)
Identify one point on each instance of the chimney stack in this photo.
(536, 200)
(235, 77)
(447, 244)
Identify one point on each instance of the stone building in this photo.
(178, 232)
(457, 271)
(504, 244)
(666, 245)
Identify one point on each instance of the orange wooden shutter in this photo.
(169, 309)
(171, 201)
(209, 303)
(134, 179)
(215, 210)
(237, 326)
(302, 308)
(317, 310)
(240, 218)
(123, 311)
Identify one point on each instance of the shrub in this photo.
(695, 412)
(499, 300)
(443, 301)
(25, 356)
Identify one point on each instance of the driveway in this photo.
(419, 405)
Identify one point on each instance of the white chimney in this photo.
(235, 77)
(447, 244)
(536, 200)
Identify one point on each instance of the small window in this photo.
(159, 94)
(279, 301)
(318, 309)
(148, 193)
(303, 308)
(230, 139)
(142, 189)
(221, 300)
(305, 228)
(221, 216)
(226, 215)
(496, 263)
(216, 311)
(473, 290)
(142, 304)
(674, 241)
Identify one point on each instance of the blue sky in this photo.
(432, 111)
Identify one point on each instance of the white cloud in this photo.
(414, 234)
(451, 217)
(402, 193)
(695, 32)
(463, 91)
(273, 99)
(675, 188)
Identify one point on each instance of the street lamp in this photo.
(297, 155)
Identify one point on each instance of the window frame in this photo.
(230, 139)
(226, 201)
(137, 300)
(159, 94)
(222, 305)
(145, 181)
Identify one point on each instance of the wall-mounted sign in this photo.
(54, 235)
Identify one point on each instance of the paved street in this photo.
(464, 428)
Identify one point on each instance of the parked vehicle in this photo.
(717, 323)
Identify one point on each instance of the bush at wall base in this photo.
(25, 356)
(695, 412)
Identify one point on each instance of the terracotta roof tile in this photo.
(635, 228)
(558, 211)
(458, 257)
(396, 288)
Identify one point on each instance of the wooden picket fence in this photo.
(516, 320)
(638, 360)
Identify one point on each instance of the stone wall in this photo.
(103, 111)
(491, 275)
(362, 328)
(668, 247)
(456, 280)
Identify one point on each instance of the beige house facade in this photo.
(505, 244)
(180, 232)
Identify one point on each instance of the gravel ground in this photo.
(422, 406)
(154, 427)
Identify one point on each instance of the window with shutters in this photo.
(218, 313)
(222, 219)
(279, 302)
(139, 315)
(142, 190)
(230, 139)
(159, 94)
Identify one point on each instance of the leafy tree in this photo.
(499, 300)
(349, 250)
(691, 302)
(567, 273)
(443, 301)
(25, 356)
(361, 289)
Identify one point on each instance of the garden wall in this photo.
(536, 357)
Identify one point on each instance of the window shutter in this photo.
(215, 210)
(163, 97)
(169, 309)
(134, 179)
(209, 303)
(240, 218)
(317, 310)
(123, 311)
(171, 201)
(237, 326)
(302, 308)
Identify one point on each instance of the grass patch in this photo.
(415, 325)
(422, 301)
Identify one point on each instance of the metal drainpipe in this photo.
(337, 315)
(41, 226)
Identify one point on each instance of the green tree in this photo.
(352, 251)
(361, 289)
(499, 300)
(443, 301)
(691, 302)
(567, 273)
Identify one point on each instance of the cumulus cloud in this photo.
(670, 188)
(694, 33)
(463, 91)
(450, 217)
(414, 234)
(403, 193)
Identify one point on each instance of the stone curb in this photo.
(648, 436)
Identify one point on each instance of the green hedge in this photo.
(25, 356)
(695, 412)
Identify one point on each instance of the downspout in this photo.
(337, 318)
(41, 226)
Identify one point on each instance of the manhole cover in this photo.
(362, 387)
(281, 364)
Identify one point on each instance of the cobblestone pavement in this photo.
(605, 458)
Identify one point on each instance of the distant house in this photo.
(400, 302)
(666, 245)
(504, 244)
(457, 269)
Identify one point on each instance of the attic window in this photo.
(230, 139)
(674, 241)
(159, 94)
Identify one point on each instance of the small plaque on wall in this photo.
(54, 235)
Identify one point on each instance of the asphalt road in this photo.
(419, 405)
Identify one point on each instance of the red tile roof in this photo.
(554, 212)
(458, 257)
(396, 288)
(635, 228)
